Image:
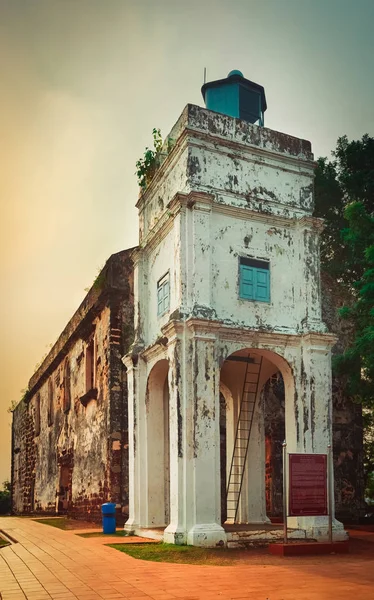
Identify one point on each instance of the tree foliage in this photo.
(358, 360)
(348, 178)
(5, 497)
(344, 194)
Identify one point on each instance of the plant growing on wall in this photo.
(146, 166)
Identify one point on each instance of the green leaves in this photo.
(344, 197)
(359, 237)
(344, 190)
(146, 166)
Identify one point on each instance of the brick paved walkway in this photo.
(50, 563)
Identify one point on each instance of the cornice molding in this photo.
(155, 351)
(203, 329)
(205, 201)
(249, 149)
(315, 223)
(247, 214)
(319, 341)
(189, 133)
(255, 338)
(212, 331)
(173, 329)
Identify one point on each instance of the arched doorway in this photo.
(158, 453)
(244, 375)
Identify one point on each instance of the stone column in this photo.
(309, 416)
(195, 508)
(204, 508)
(136, 381)
(175, 533)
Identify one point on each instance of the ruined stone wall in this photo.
(76, 437)
(72, 457)
(24, 456)
(121, 337)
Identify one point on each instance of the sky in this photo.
(84, 82)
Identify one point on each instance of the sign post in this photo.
(308, 485)
(307, 492)
(329, 488)
(284, 448)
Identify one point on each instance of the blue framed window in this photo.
(163, 295)
(254, 280)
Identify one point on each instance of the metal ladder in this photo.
(243, 433)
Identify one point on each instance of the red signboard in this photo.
(308, 485)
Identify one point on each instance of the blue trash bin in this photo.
(108, 511)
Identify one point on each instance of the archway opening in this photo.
(158, 447)
(64, 493)
(251, 492)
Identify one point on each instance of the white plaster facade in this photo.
(227, 189)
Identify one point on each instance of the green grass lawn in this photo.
(178, 554)
(60, 522)
(119, 533)
(3, 542)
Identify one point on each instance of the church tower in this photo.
(227, 296)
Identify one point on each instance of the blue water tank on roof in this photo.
(237, 97)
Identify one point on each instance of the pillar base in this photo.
(207, 535)
(130, 525)
(317, 528)
(175, 535)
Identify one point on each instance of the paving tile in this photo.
(58, 565)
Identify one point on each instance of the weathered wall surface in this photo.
(154, 266)
(227, 191)
(247, 166)
(346, 421)
(243, 191)
(77, 438)
(75, 460)
(24, 458)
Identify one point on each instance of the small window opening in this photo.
(90, 365)
(163, 295)
(254, 279)
(67, 387)
(50, 402)
(37, 415)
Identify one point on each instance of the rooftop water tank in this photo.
(237, 97)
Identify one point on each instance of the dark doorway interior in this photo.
(274, 438)
(64, 490)
(222, 429)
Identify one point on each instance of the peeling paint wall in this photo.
(77, 458)
(227, 190)
(346, 422)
